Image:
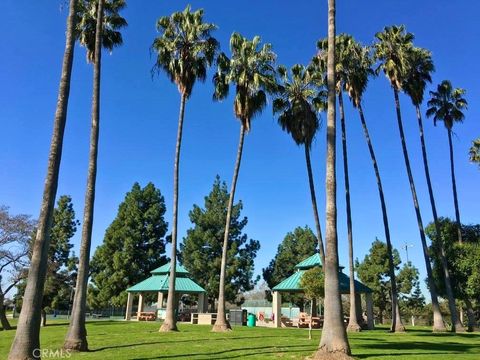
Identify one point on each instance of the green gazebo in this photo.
(292, 285)
(158, 283)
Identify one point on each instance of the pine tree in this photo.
(201, 250)
(134, 244)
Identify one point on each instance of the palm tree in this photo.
(359, 71)
(421, 66)
(334, 337)
(344, 51)
(251, 69)
(392, 49)
(185, 49)
(98, 26)
(446, 104)
(475, 151)
(298, 102)
(27, 336)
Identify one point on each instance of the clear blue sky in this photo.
(139, 119)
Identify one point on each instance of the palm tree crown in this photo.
(446, 104)
(185, 48)
(420, 69)
(298, 102)
(392, 50)
(353, 65)
(251, 69)
(475, 151)
(112, 23)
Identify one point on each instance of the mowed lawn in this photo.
(141, 341)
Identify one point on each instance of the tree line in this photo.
(185, 49)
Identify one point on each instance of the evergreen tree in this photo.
(134, 245)
(201, 250)
(374, 272)
(297, 245)
(463, 262)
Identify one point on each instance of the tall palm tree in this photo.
(421, 66)
(360, 69)
(251, 70)
(358, 76)
(27, 336)
(98, 27)
(446, 104)
(392, 50)
(334, 337)
(298, 102)
(185, 49)
(343, 48)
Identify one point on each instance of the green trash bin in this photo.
(251, 320)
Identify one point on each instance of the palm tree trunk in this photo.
(314, 203)
(170, 323)
(76, 338)
(472, 323)
(456, 324)
(454, 188)
(27, 336)
(221, 324)
(438, 324)
(397, 325)
(353, 325)
(334, 339)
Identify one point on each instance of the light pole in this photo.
(405, 247)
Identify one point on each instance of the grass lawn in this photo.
(141, 341)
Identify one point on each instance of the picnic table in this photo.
(147, 316)
(305, 320)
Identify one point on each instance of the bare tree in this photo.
(15, 234)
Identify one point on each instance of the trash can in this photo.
(252, 320)
(238, 317)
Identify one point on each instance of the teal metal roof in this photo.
(292, 283)
(165, 269)
(310, 262)
(158, 283)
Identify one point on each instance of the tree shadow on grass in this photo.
(227, 354)
(391, 348)
(405, 354)
(182, 341)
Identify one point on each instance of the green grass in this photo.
(141, 341)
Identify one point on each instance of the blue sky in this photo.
(139, 120)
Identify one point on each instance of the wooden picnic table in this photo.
(147, 316)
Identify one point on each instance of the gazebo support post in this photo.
(277, 309)
(128, 313)
(160, 300)
(176, 303)
(358, 303)
(140, 305)
(314, 307)
(369, 301)
(201, 303)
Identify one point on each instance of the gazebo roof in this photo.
(165, 269)
(292, 283)
(310, 262)
(159, 280)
